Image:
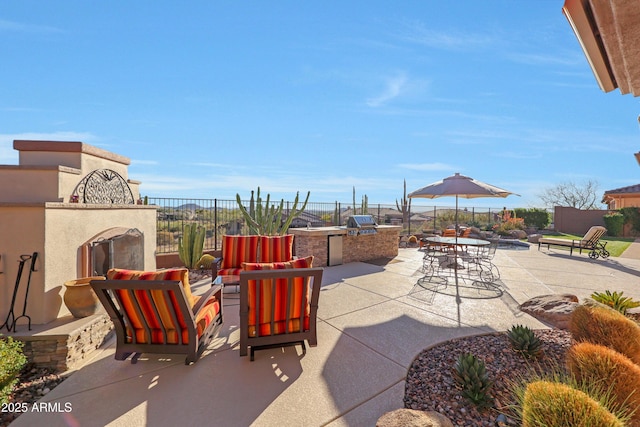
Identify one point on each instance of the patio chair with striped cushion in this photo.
(235, 251)
(155, 312)
(278, 304)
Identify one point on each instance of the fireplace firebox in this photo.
(122, 251)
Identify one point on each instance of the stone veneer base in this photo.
(66, 343)
(315, 241)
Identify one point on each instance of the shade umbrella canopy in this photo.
(460, 186)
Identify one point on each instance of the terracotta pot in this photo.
(80, 298)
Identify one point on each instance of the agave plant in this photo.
(615, 300)
(524, 341)
(471, 376)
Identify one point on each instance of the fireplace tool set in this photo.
(11, 320)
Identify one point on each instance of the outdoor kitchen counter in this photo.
(315, 241)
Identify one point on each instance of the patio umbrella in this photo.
(459, 186)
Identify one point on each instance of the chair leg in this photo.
(243, 350)
(120, 355)
(313, 342)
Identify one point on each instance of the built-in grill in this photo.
(361, 224)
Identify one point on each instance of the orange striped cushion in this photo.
(205, 317)
(174, 274)
(229, 271)
(164, 317)
(207, 313)
(280, 298)
(276, 248)
(238, 249)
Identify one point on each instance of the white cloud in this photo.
(545, 59)
(144, 162)
(394, 88)
(417, 33)
(427, 166)
(27, 28)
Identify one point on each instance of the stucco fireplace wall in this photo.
(36, 216)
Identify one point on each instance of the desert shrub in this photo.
(547, 403)
(534, 217)
(12, 360)
(605, 326)
(615, 300)
(632, 216)
(614, 223)
(164, 238)
(598, 364)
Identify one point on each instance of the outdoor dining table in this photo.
(453, 253)
(459, 241)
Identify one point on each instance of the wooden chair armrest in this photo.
(205, 297)
(215, 264)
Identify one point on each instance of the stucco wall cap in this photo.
(68, 147)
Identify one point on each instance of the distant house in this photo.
(303, 219)
(622, 197)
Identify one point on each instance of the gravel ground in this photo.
(430, 385)
(33, 383)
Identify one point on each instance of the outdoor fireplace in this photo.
(73, 205)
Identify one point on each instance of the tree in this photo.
(571, 194)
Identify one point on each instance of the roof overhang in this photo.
(609, 33)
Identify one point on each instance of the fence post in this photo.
(215, 224)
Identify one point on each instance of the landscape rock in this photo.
(553, 309)
(518, 234)
(413, 418)
(534, 238)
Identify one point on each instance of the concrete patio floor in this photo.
(373, 320)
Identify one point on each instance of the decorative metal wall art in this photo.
(103, 186)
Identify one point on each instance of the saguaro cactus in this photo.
(364, 206)
(354, 200)
(405, 206)
(267, 220)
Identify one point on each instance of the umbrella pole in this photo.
(455, 263)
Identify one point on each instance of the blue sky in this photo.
(209, 99)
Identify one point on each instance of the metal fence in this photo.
(220, 217)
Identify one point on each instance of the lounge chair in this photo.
(590, 241)
(449, 232)
(278, 306)
(154, 312)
